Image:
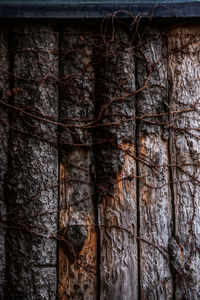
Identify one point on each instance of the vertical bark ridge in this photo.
(32, 175)
(154, 191)
(183, 68)
(116, 170)
(4, 133)
(78, 250)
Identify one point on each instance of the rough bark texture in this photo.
(134, 175)
(77, 254)
(4, 135)
(116, 170)
(33, 177)
(154, 192)
(184, 75)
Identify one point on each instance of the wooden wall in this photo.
(99, 161)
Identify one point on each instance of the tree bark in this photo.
(154, 189)
(116, 168)
(125, 187)
(32, 190)
(183, 62)
(78, 248)
(4, 133)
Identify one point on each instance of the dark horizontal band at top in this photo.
(49, 10)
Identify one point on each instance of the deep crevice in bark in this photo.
(96, 194)
(171, 185)
(137, 186)
(98, 228)
(172, 206)
(59, 162)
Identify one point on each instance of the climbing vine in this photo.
(100, 159)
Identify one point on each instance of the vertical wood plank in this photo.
(116, 168)
(154, 192)
(78, 249)
(184, 72)
(33, 175)
(4, 136)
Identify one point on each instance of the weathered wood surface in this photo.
(184, 73)
(133, 178)
(4, 133)
(78, 251)
(116, 169)
(33, 166)
(154, 190)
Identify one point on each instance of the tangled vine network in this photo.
(100, 159)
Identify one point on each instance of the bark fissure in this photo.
(137, 185)
(171, 182)
(98, 254)
(96, 198)
(173, 209)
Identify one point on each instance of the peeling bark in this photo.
(4, 134)
(78, 250)
(184, 72)
(33, 176)
(154, 192)
(115, 161)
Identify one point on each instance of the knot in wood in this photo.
(76, 235)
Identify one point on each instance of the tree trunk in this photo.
(154, 190)
(184, 74)
(78, 247)
(33, 166)
(116, 169)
